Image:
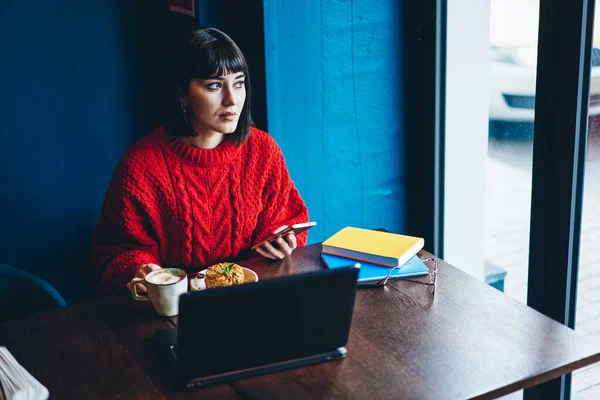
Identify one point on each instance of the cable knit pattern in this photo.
(173, 204)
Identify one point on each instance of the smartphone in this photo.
(296, 228)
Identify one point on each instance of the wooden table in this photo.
(466, 341)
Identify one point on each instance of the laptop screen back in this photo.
(239, 327)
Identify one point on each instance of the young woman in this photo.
(205, 187)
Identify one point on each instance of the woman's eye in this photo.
(213, 86)
(239, 85)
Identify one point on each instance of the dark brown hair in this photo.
(199, 55)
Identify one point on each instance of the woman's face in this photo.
(216, 103)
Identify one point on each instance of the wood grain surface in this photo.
(99, 349)
(463, 340)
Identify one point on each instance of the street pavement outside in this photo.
(507, 218)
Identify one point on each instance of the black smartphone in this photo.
(296, 228)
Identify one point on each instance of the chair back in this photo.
(23, 293)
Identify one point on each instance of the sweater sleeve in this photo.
(124, 239)
(283, 204)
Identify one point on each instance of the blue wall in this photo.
(73, 101)
(334, 96)
(70, 102)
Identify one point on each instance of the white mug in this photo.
(164, 288)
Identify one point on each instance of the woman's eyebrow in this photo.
(221, 78)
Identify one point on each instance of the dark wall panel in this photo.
(70, 105)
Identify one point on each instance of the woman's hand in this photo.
(141, 273)
(284, 246)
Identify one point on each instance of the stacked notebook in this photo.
(16, 382)
(376, 252)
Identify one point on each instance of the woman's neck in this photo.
(204, 141)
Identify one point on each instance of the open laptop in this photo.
(230, 333)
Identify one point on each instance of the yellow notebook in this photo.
(383, 248)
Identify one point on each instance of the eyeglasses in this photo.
(432, 275)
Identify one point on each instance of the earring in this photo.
(184, 109)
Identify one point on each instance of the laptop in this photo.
(230, 333)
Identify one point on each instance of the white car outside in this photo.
(513, 54)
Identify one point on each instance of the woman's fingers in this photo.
(141, 273)
(146, 269)
(264, 253)
(291, 239)
(283, 246)
(139, 287)
(270, 249)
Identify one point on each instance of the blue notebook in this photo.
(373, 272)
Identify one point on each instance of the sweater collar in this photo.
(222, 154)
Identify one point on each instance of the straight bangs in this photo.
(220, 61)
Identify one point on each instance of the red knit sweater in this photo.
(173, 204)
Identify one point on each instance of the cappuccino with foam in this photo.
(165, 276)
(164, 286)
